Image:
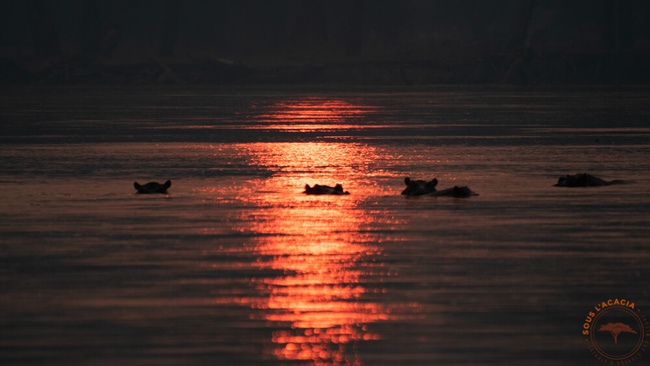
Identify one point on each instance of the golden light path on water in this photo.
(313, 241)
(320, 291)
(311, 114)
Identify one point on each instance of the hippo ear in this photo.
(168, 184)
(407, 181)
(432, 185)
(338, 187)
(136, 185)
(307, 187)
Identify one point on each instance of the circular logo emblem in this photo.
(615, 330)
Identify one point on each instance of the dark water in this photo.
(236, 266)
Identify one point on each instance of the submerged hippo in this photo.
(422, 187)
(584, 180)
(419, 187)
(319, 189)
(153, 187)
(456, 191)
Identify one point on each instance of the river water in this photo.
(236, 266)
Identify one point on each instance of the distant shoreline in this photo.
(500, 69)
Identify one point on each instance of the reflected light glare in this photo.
(321, 290)
(313, 262)
(314, 162)
(312, 114)
(314, 243)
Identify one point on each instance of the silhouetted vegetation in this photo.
(325, 42)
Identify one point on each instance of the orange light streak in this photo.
(313, 242)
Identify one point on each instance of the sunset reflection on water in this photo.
(321, 291)
(313, 241)
(313, 113)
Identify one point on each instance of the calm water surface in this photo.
(236, 266)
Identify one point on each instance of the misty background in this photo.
(383, 42)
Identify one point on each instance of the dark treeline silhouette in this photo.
(325, 41)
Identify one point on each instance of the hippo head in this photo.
(577, 180)
(419, 187)
(318, 189)
(152, 187)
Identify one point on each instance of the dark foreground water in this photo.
(236, 266)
